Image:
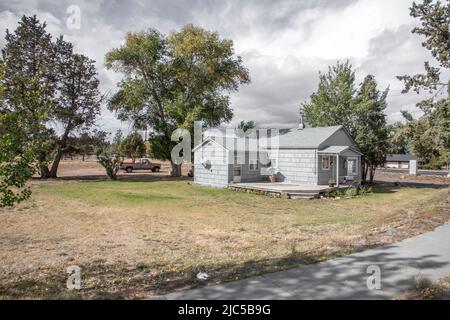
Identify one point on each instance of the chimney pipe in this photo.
(301, 125)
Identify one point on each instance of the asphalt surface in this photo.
(380, 273)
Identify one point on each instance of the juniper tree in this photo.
(371, 131)
(78, 102)
(430, 134)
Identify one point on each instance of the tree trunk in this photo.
(43, 168)
(364, 172)
(45, 173)
(54, 170)
(372, 174)
(83, 157)
(62, 147)
(176, 169)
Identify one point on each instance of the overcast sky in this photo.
(283, 43)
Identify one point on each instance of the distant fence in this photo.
(89, 158)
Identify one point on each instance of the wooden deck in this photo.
(284, 190)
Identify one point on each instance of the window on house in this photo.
(351, 166)
(254, 164)
(326, 163)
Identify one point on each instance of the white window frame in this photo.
(329, 163)
(356, 166)
(254, 163)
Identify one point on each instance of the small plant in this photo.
(110, 163)
(272, 174)
(349, 192)
(292, 247)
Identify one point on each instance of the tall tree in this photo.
(398, 140)
(78, 101)
(334, 101)
(16, 165)
(88, 143)
(117, 140)
(430, 135)
(16, 160)
(171, 82)
(371, 131)
(133, 146)
(30, 81)
(360, 112)
(17, 149)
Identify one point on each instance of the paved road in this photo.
(401, 265)
(440, 173)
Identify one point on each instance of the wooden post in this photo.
(337, 170)
(413, 170)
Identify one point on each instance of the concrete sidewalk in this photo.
(401, 264)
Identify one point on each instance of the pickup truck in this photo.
(140, 164)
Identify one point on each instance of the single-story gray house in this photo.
(306, 156)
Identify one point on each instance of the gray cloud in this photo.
(283, 43)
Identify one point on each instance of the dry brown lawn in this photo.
(427, 290)
(134, 239)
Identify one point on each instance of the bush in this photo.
(111, 164)
(350, 192)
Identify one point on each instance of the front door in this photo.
(237, 174)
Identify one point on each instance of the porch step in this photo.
(304, 195)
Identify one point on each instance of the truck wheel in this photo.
(129, 170)
(155, 169)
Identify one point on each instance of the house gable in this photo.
(339, 138)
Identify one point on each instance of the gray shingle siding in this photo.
(297, 166)
(295, 163)
(218, 174)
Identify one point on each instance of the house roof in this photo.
(338, 150)
(209, 139)
(306, 138)
(400, 157)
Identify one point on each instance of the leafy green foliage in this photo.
(172, 81)
(64, 84)
(133, 146)
(246, 125)
(110, 163)
(16, 161)
(334, 102)
(117, 140)
(29, 82)
(430, 135)
(398, 140)
(435, 26)
(371, 131)
(88, 143)
(78, 100)
(360, 112)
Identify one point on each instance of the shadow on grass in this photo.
(392, 187)
(101, 281)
